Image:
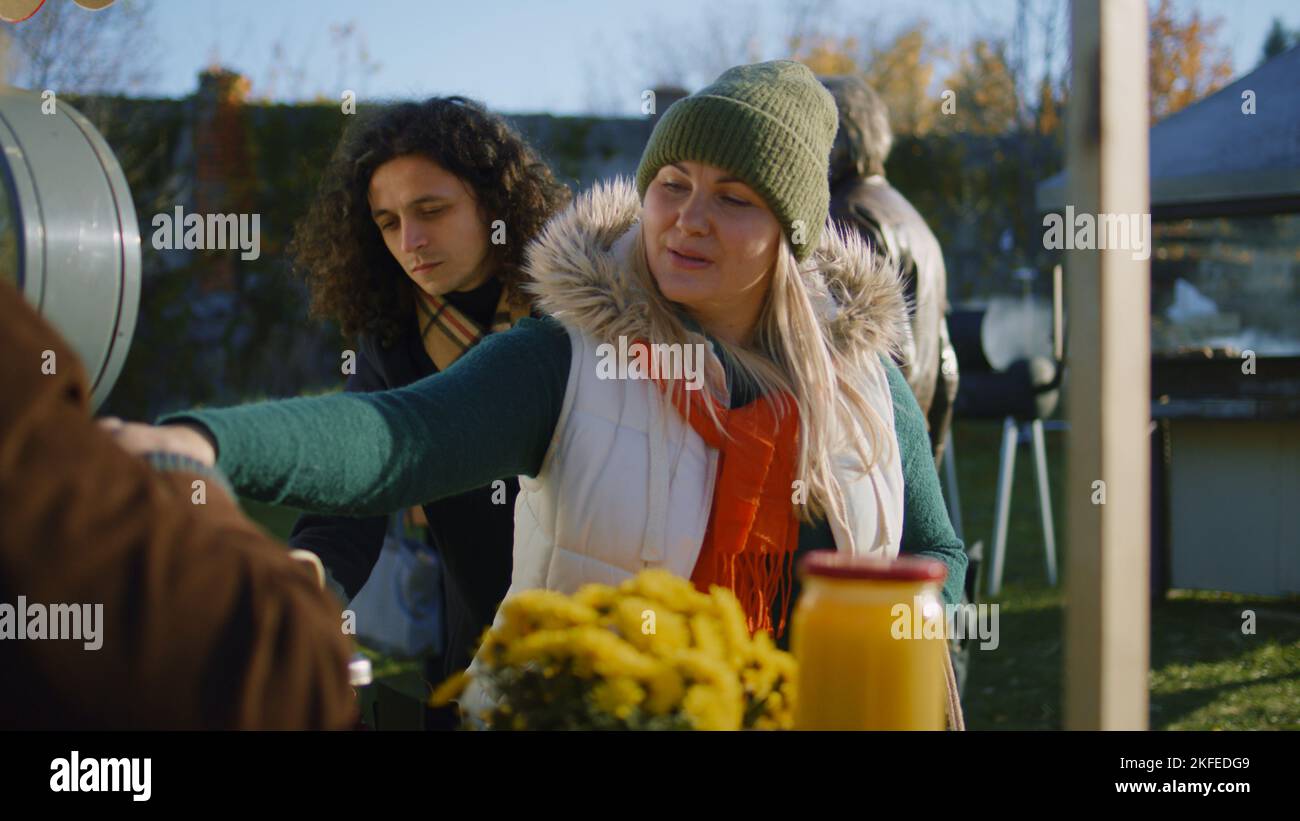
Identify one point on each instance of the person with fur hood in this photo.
(864, 200)
(802, 433)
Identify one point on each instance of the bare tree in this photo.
(605, 95)
(692, 56)
(73, 50)
(287, 76)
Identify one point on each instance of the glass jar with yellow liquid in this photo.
(868, 635)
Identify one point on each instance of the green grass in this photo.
(278, 521)
(1205, 673)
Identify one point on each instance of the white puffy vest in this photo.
(627, 485)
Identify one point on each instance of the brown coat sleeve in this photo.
(207, 623)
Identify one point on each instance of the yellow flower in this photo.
(497, 638)
(698, 667)
(649, 626)
(731, 617)
(708, 637)
(531, 610)
(759, 679)
(666, 689)
(611, 655)
(596, 596)
(449, 689)
(652, 644)
(617, 696)
(789, 695)
(708, 708)
(779, 661)
(542, 647)
(674, 592)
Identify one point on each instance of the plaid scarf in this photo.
(447, 333)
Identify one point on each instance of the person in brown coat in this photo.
(863, 199)
(203, 621)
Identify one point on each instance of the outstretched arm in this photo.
(489, 416)
(348, 546)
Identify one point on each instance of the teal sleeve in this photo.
(489, 416)
(926, 528)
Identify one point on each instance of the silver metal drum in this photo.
(69, 239)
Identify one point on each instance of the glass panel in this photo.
(1227, 282)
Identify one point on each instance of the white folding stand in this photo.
(1002, 505)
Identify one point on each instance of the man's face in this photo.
(431, 223)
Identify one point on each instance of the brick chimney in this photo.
(223, 178)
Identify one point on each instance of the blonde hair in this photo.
(792, 356)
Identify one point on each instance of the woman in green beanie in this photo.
(710, 392)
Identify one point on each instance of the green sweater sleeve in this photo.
(926, 528)
(489, 416)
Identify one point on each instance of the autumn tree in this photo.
(901, 72)
(825, 54)
(985, 99)
(1050, 107)
(1186, 62)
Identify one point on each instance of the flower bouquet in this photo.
(651, 654)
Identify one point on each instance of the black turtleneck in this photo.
(479, 304)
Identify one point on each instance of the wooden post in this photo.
(1107, 625)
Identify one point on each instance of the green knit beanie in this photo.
(769, 124)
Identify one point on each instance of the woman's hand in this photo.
(139, 439)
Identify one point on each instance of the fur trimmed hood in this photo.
(579, 275)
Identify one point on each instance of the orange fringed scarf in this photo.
(753, 532)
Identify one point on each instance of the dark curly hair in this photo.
(337, 247)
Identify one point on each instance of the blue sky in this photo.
(561, 56)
